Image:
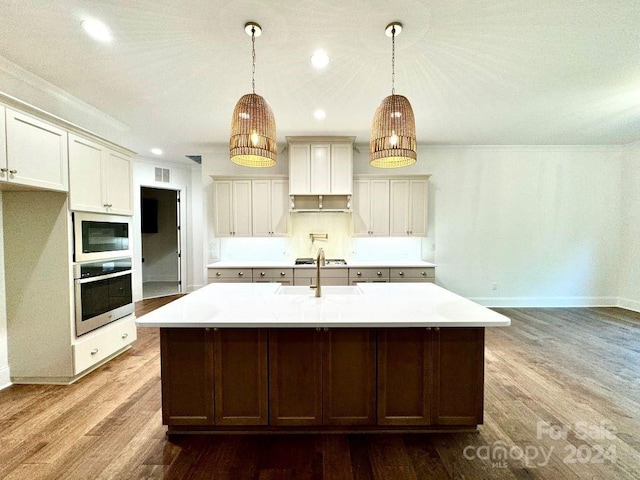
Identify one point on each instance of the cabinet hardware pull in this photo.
(262, 274)
(379, 274)
(437, 329)
(428, 328)
(13, 172)
(359, 273)
(125, 335)
(4, 170)
(218, 274)
(423, 273)
(94, 351)
(326, 329)
(241, 273)
(401, 273)
(282, 274)
(215, 329)
(317, 329)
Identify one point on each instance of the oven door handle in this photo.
(103, 277)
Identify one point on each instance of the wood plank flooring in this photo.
(562, 401)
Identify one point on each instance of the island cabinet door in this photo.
(458, 376)
(349, 376)
(240, 376)
(404, 376)
(186, 356)
(295, 376)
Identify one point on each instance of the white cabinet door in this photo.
(321, 168)
(399, 216)
(36, 153)
(418, 202)
(261, 207)
(223, 208)
(380, 208)
(85, 175)
(299, 169)
(3, 145)
(408, 207)
(241, 208)
(341, 168)
(279, 208)
(118, 185)
(371, 207)
(101, 179)
(362, 207)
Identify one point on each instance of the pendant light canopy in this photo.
(393, 130)
(253, 127)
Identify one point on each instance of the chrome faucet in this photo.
(320, 262)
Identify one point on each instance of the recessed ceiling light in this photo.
(97, 30)
(319, 114)
(319, 59)
(156, 151)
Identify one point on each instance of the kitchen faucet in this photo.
(320, 262)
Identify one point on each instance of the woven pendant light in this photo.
(253, 127)
(393, 130)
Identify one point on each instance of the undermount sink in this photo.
(326, 290)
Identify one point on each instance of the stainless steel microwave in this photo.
(99, 236)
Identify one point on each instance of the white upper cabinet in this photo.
(371, 207)
(320, 166)
(100, 178)
(36, 152)
(408, 207)
(269, 210)
(232, 210)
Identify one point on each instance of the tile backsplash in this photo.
(339, 244)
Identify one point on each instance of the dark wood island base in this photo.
(316, 380)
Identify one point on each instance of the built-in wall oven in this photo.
(103, 293)
(99, 236)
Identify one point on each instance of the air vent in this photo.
(163, 175)
(195, 158)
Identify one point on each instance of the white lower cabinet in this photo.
(99, 345)
(412, 274)
(328, 276)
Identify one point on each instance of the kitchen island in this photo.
(372, 357)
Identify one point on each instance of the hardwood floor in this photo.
(552, 377)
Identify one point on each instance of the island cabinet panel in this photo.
(187, 376)
(458, 376)
(240, 376)
(349, 376)
(295, 377)
(404, 376)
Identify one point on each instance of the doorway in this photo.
(160, 233)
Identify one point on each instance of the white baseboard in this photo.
(629, 304)
(532, 302)
(5, 377)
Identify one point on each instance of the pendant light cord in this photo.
(393, 60)
(253, 59)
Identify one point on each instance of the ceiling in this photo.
(477, 72)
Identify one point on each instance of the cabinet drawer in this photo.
(103, 343)
(327, 272)
(413, 274)
(368, 275)
(230, 274)
(272, 274)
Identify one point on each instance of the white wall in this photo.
(542, 223)
(4, 358)
(630, 238)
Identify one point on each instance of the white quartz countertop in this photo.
(260, 305)
(350, 264)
